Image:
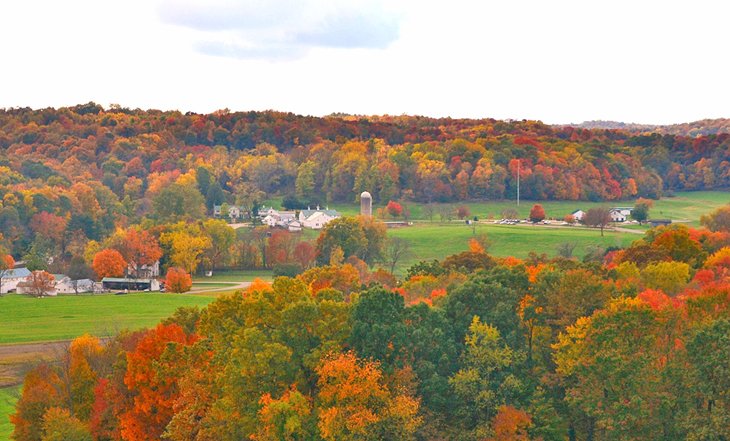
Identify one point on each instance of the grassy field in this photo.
(235, 276)
(8, 397)
(27, 319)
(436, 241)
(683, 206)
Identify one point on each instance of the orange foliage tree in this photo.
(41, 391)
(41, 283)
(510, 424)
(140, 248)
(109, 263)
(355, 402)
(177, 280)
(151, 379)
(84, 353)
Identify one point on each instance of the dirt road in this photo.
(15, 360)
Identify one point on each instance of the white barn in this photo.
(617, 215)
(10, 278)
(317, 219)
(578, 215)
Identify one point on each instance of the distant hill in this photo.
(691, 129)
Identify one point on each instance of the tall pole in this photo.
(518, 182)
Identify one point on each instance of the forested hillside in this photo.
(73, 175)
(693, 129)
(133, 153)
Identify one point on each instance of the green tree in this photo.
(221, 240)
(344, 232)
(708, 351)
(608, 363)
(214, 196)
(378, 331)
(670, 277)
(640, 212)
(486, 381)
(305, 179)
(178, 202)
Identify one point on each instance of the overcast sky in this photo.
(556, 61)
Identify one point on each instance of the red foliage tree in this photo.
(304, 254)
(394, 209)
(103, 423)
(463, 211)
(48, 225)
(537, 213)
(177, 280)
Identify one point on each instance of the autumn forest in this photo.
(624, 343)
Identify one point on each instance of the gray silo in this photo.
(366, 204)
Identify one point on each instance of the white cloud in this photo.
(282, 29)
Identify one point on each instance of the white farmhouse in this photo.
(234, 211)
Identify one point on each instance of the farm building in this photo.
(617, 215)
(120, 284)
(279, 218)
(660, 222)
(317, 219)
(578, 215)
(64, 285)
(10, 278)
(233, 211)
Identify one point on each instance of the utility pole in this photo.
(518, 182)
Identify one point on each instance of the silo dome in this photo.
(366, 204)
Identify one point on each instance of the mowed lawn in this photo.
(26, 319)
(8, 397)
(436, 241)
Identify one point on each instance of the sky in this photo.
(558, 61)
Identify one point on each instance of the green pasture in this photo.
(27, 319)
(232, 276)
(8, 397)
(436, 241)
(682, 206)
